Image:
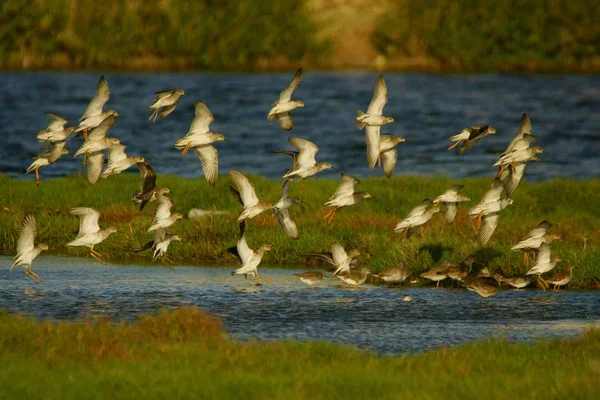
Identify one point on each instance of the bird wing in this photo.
(116, 153)
(163, 94)
(100, 131)
(293, 154)
(285, 188)
(286, 95)
(285, 121)
(203, 118)
(244, 251)
(373, 138)
(420, 209)
(346, 188)
(380, 97)
(308, 151)
(209, 158)
(451, 209)
(489, 223)
(477, 131)
(56, 151)
(323, 256)
(521, 144)
(57, 123)
(26, 236)
(99, 100)
(539, 230)
(94, 164)
(523, 129)
(285, 221)
(88, 220)
(169, 109)
(389, 159)
(148, 177)
(163, 210)
(544, 253)
(338, 254)
(245, 188)
(494, 192)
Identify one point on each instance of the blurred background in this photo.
(449, 64)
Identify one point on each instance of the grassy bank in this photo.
(185, 354)
(367, 226)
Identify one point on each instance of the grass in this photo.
(186, 354)
(367, 226)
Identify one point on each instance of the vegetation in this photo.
(185, 354)
(493, 35)
(367, 226)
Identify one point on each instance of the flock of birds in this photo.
(95, 124)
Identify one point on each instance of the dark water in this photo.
(373, 318)
(565, 112)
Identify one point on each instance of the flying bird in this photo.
(486, 213)
(118, 161)
(167, 100)
(534, 239)
(374, 116)
(93, 115)
(305, 164)
(57, 150)
(55, 131)
(27, 251)
(282, 108)
(345, 196)
(416, 217)
(338, 257)
(148, 188)
(469, 137)
(162, 216)
(90, 233)
(450, 199)
(250, 259)
(282, 212)
(160, 244)
(245, 193)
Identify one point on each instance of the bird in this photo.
(250, 259)
(418, 216)
(393, 275)
(245, 193)
(96, 140)
(561, 278)
(518, 157)
(57, 150)
(167, 100)
(199, 133)
(148, 189)
(118, 161)
(468, 137)
(458, 272)
(162, 216)
(55, 131)
(483, 286)
(382, 147)
(94, 146)
(305, 164)
(282, 212)
(93, 115)
(27, 251)
(512, 176)
(90, 233)
(160, 244)
(374, 116)
(344, 196)
(534, 239)
(94, 163)
(281, 108)
(477, 271)
(356, 276)
(486, 213)
(544, 263)
(338, 257)
(450, 199)
(435, 273)
(516, 281)
(293, 154)
(310, 277)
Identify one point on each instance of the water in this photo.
(428, 109)
(373, 318)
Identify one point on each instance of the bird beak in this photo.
(334, 168)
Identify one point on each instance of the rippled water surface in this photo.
(372, 317)
(565, 111)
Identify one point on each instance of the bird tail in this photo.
(144, 247)
(154, 115)
(359, 119)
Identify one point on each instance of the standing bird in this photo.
(393, 275)
(562, 278)
(543, 264)
(374, 116)
(356, 276)
(281, 108)
(148, 189)
(485, 286)
(93, 115)
(250, 259)
(344, 196)
(458, 272)
(282, 212)
(468, 137)
(338, 257)
(416, 217)
(118, 161)
(450, 199)
(534, 239)
(305, 164)
(160, 244)
(26, 249)
(245, 193)
(90, 233)
(437, 273)
(167, 100)
(162, 216)
(55, 131)
(48, 157)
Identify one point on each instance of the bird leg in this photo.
(328, 214)
(437, 285)
(263, 278)
(167, 262)
(525, 259)
(333, 214)
(379, 160)
(37, 177)
(501, 170)
(34, 277)
(542, 283)
(513, 167)
(85, 134)
(556, 287)
(186, 149)
(478, 220)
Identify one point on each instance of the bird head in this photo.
(266, 247)
(111, 229)
(176, 237)
(42, 246)
(570, 267)
(537, 149)
(552, 236)
(218, 137)
(323, 165)
(300, 103)
(389, 120)
(139, 159)
(353, 253)
(556, 259)
(113, 141)
(113, 113)
(163, 191)
(398, 139)
(177, 216)
(366, 195)
(490, 131)
(70, 129)
(65, 151)
(180, 92)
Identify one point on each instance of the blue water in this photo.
(564, 110)
(371, 317)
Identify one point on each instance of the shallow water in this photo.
(428, 109)
(372, 317)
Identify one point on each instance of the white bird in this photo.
(160, 244)
(90, 233)
(93, 115)
(167, 100)
(55, 131)
(305, 163)
(345, 196)
(374, 116)
(48, 157)
(250, 259)
(512, 176)
(199, 133)
(94, 163)
(282, 212)
(416, 217)
(94, 146)
(535, 238)
(356, 276)
(486, 212)
(245, 193)
(338, 257)
(544, 263)
(162, 216)
(469, 137)
(27, 251)
(281, 108)
(118, 161)
(450, 199)
(382, 147)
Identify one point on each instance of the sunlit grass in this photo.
(367, 226)
(185, 353)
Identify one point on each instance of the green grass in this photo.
(367, 226)
(186, 354)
